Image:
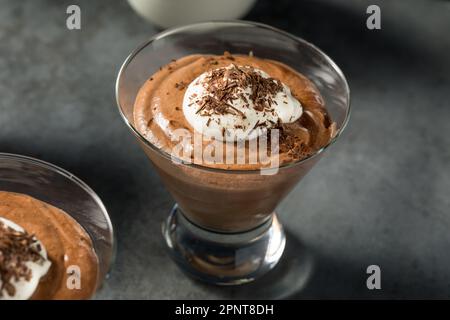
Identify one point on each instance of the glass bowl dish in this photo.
(224, 229)
(53, 185)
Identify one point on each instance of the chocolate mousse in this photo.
(44, 253)
(230, 102)
(233, 98)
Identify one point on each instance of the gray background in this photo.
(380, 195)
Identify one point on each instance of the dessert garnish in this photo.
(224, 85)
(23, 261)
(241, 102)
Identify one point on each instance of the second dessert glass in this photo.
(224, 229)
(53, 185)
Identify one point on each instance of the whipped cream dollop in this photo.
(24, 262)
(238, 103)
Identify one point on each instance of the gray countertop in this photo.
(381, 195)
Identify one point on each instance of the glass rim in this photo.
(186, 27)
(74, 179)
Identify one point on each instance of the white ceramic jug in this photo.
(168, 13)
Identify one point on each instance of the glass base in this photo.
(223, 258)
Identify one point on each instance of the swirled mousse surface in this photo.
(66, 243)
(252, 94)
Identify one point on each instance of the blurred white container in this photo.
(168, 13)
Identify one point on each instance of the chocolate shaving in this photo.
(213, 61)
(180, 85)
(16, 248)
(224, 85)
(256, 125)
(228, 56)
(290, 144)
